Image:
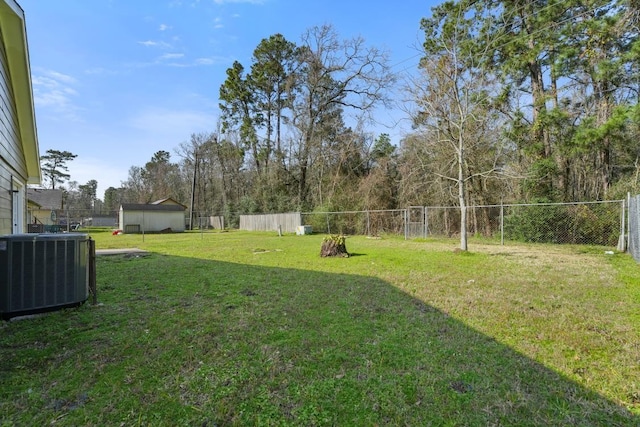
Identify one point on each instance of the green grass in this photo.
(240, 328)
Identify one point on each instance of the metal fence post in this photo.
(633, 242)
(426, 222)
(93, 289)
(328, 227)
(622, 243)
(406, 224)
(501, 223)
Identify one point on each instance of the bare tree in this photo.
(334, 76)
(199, 164)
(454, 109)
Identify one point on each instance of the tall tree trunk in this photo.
(604, 114)
(304, 166)
(540, 131)
(267, 153)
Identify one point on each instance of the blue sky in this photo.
(117, 80)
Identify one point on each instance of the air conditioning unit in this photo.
(42, 272)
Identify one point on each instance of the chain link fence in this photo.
(634, 227)
(591, 223)
(573, 223)
(42, 220)
(595, 223)
(367, 223)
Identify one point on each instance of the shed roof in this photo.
(47, 199)
(149, 207)
(168, 201)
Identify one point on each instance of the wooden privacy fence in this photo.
(285, 222)
(204, 222)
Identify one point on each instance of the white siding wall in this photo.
(153, 221)
(12, 162)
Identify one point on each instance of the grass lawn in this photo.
(239, 328)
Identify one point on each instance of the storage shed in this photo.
(151, 218)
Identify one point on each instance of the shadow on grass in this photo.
(180, 341)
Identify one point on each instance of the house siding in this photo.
(6, 206)
(12, 161)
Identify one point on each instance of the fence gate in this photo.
(416, 224)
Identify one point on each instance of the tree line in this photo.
(512, 101)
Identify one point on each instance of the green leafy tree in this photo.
(134, 188)
(274, 64)
(567, 70)
(113, 197)
(88, 194)
(521, 39)
(598, 54)
(382, 147)
(158, 176)
(238, 108)
(54, 166)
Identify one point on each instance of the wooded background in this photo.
(513, 101)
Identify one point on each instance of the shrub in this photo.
(575, 224)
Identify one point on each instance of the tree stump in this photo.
(334, 246)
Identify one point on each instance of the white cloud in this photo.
(238, 1)
(195, 3)
(213, 60)
(179, 3)
(52, 98)
(205, 61)
(101, 71)
(181, 60)
(54, 91)
(64, 78)
(164, 27)
(153, 43)
(169, 56)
